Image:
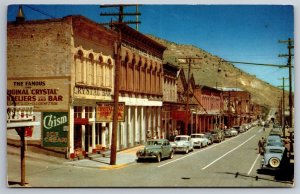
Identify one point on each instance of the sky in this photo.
(247, 33)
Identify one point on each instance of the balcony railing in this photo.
(19, 113)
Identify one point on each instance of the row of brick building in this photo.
(65, 69)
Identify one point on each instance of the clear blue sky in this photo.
(246, 33)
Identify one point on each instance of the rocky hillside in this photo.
(211, 71)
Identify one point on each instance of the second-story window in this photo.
(88, 112)
(77, 112)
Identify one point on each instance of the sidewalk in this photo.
(123, 159)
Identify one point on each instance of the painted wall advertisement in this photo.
(105, 112)
(55, 129)
(44, 95)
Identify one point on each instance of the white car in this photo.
(233, 132)
(182, 143)
(199, 140)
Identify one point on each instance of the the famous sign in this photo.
(105, 112)
(55, 129)
(43, 94)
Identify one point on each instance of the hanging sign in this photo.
(105, 112)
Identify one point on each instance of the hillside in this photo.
(212, 72)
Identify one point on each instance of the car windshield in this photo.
(197, 136)
(149, 143)
(180, 138)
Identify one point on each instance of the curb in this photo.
(117, 166)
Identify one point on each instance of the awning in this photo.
(81, 121)
(180, 115)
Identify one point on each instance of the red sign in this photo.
(105, 112)
(180, 115)
(81, 121)
(28, 131)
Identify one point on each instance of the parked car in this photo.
(239, 128)
(245, 127)
(233, 132)
(272, 157)
(156, 149)
(276, 131)
(183, 143)
(277, 125)
(218, 135)
(199, 140)
(227, 133)
(210, 138)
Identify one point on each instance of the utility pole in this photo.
(121, 14)
(283, 106)
(289, 65)
(188, 60)
(118, 43)
(187, 100)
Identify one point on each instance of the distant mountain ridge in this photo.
(215, 73)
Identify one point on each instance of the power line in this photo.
(41, 12)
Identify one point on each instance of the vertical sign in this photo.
(55, 129)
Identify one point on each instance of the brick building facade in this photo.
(62, 67)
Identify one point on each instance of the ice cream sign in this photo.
(55, 129)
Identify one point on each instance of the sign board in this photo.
(44, 94)
(180, 115)
(89, 92)
(55, 133)
(105, 112)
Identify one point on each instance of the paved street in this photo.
(231, 163)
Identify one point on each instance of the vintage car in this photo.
(239, 129)
(233, 132)
(156, 149)
(210, 138)
(218, 135)
(272, 157)
(199, 140)
(245, 127)
(276, 131)
(227, 133)
(183, 143)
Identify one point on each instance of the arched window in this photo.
(99, 71)
(108, 74)
(78, 66)
(90, 70)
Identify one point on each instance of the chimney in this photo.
(20, 17)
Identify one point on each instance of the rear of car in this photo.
(199, 140)
(183, 143)
(272, 157)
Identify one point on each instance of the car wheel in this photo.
(158, 158)
(171, 155)
(274, 162)
(187, 150)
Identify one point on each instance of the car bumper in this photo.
(180, 149)
(146, 156)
